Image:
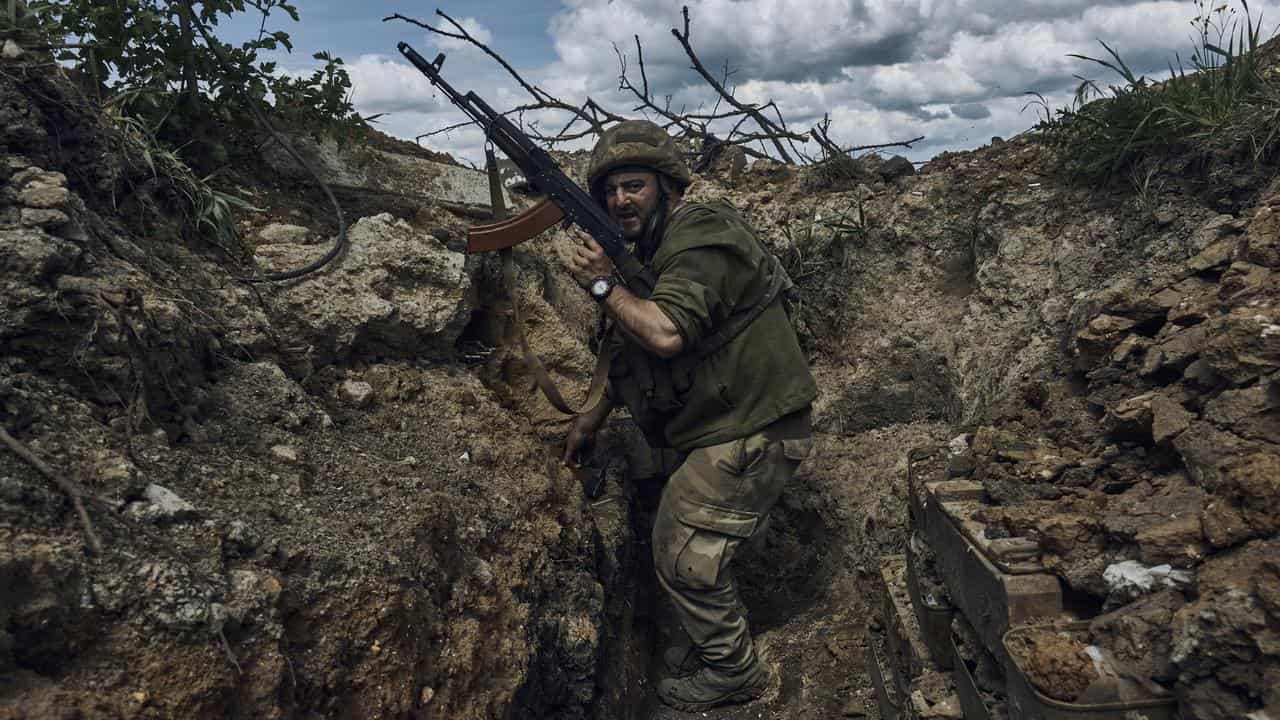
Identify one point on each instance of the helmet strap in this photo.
(657, 225)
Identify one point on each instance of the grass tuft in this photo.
(1223, 99)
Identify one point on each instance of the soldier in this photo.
(710, 365)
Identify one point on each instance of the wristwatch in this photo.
(600, 287)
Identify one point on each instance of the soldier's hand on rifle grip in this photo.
(579, 441)
(589, 260)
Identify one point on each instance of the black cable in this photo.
(340, 244)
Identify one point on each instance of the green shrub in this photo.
(148, 56)
(180, 104)
(1224, 101)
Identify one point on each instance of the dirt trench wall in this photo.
(302, 515)
(332, 504)
(1106, 361)
(1112, 371)
(1156, 452)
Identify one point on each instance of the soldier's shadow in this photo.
(783, 571)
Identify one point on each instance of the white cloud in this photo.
(956, 71)
(473, 28)
(464, 144)
(381, 85)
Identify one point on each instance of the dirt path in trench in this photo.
(807, 583)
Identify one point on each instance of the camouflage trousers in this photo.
(720, 497)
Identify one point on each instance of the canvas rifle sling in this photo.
(542, 379)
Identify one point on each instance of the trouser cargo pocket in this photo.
(695, 541)
(798, 449)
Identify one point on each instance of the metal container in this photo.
(1027, 703)
(972, 703)
(887, 698)
(933, 614)
(907, 654)
(993, 600)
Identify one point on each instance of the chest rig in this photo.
(652, 387)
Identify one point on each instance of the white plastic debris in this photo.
(959, 444)
(162, 506)
(1133, 579)
(167, 501)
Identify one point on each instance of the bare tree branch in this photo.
(462, 34)
(772, 134)
(640, 57)
(819, 133)
(690, 125)
(542, 99)
(756, 115)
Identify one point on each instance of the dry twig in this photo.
(69, 488)
(590, 112)
(770, 131)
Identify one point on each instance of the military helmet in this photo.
(637, 143)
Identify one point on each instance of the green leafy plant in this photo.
(1147, 187)
(321, 103)
(822, 237)
(1222, 101)
(170, 93)
(215, 211)
(848, 229)
(207, 211)
(155, 48)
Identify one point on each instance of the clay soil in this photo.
(1054, 662)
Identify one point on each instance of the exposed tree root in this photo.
(69, 488)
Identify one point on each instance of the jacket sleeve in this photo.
(691, 292)
(703, 273)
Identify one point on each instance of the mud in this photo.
(1054, 662)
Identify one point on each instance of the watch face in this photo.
(599, 287)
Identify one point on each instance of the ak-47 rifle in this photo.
(565, 200)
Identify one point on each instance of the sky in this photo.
(955, 71)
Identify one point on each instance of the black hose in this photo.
(340, 244)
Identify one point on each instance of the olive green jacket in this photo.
(709, 266)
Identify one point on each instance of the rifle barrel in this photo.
(431, 70)
(538, 166)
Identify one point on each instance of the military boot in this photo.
(707, 687)
(681, 661)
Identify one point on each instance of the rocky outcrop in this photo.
(1157, 458)
(398, 292)
(382, 167)
(308, 507)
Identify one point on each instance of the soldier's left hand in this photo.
(589, 260)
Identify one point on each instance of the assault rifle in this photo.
(565, 201)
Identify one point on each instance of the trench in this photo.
(782, 574)
(807, 580)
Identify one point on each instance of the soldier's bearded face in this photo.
(631, 198)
